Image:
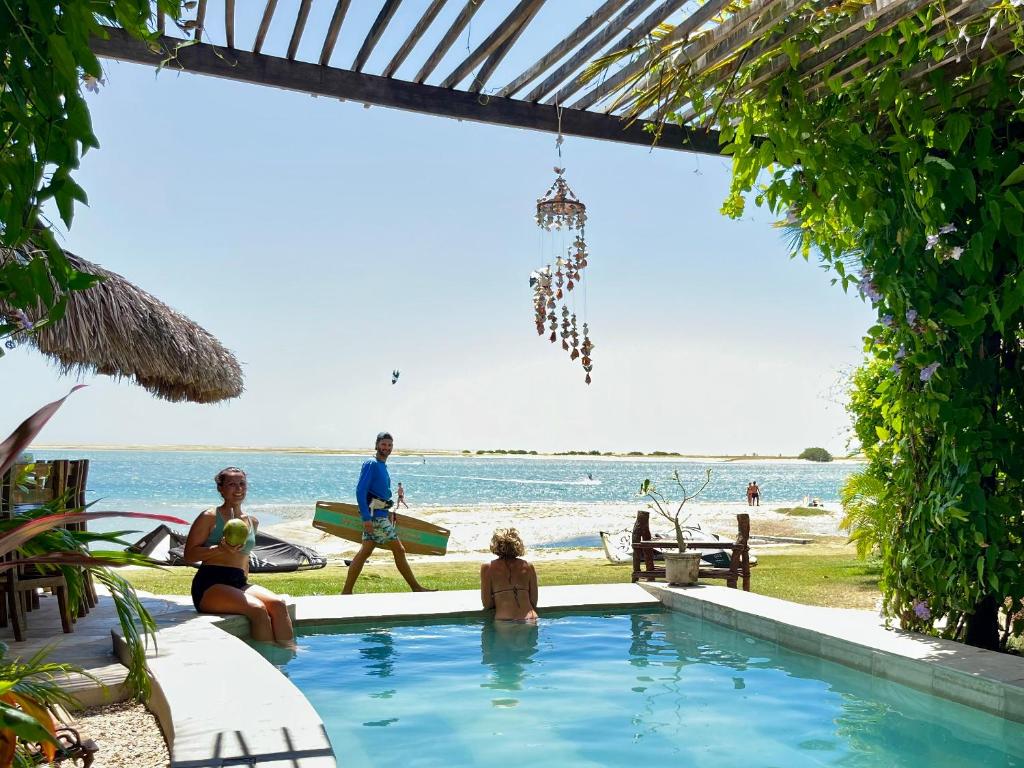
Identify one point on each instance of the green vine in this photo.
(45, 62)
(908, 189)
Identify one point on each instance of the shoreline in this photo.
(442, 453)
(559, 532)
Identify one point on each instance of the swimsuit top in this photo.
(515, 589)
(218, 533)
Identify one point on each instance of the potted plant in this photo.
(681, 566)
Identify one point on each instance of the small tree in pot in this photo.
(680, 567)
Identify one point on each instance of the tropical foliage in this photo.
(45, 63)
(40, 538)
(904, 178)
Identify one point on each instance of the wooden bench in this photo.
(739, 566)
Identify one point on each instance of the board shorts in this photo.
(210, 575)
(384, 531)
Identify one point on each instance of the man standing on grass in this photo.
(373, 495)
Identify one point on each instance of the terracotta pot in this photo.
(681, 567)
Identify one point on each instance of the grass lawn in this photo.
(802, 511)
(814, 575)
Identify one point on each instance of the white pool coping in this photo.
(220, 702)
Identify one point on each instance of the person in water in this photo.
(755, 494)
(509, 583)
(373, 495)
(221, 585)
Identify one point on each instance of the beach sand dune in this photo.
(566, 530)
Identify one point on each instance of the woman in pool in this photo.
(509, 583)
(221, 584)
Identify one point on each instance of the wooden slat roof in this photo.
(474, 59)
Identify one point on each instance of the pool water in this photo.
(620, 688)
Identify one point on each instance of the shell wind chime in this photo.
(561, 211)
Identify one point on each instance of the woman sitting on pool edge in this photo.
(509, 584)
(221, 584)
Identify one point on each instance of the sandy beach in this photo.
(552, 531)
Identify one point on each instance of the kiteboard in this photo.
(417, 536)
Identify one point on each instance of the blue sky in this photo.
(327, 244)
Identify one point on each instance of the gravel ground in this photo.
(127, 734)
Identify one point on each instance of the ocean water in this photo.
(645, 687)
(285, 486)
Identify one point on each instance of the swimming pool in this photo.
(611, 688)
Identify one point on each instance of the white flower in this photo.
(931, 242)
(92, 83)
(954, 252)
(945, 229)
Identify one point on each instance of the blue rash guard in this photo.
(374, 481)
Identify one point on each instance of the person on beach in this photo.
(373, 495)
(400, 496)
(755, 494)
(221, 585)
(509, 583)
(750, 493)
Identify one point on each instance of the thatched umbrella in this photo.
(117, 329)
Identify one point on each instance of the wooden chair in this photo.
(48, 480)
(739, 564)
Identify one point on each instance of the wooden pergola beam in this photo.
(485, 72)
(306, 77)
(387, 12)
(333, 30)
(464, 17)
(631, 71)
(261, 33)
(493, 41)
(229, 22)
(300, 26)
(587, 52)
(414, 37)
(644, 28)
(574, 38)
(200, 19)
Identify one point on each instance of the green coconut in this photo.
(235, 532)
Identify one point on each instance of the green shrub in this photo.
(815, 454)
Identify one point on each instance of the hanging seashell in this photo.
(569, 286)
(587, 380)
(574, 355)
(565, 345)
(552, 339)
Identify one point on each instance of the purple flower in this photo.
(921, 610)
(928, 372)
(901, 352)
(945, 229)
(931, 242)
(19, 317)
(911, 316)
(896, 368)
(886, 321)
(870, 290)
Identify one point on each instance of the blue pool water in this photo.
(651, 687)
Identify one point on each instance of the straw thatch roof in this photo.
(118, 329)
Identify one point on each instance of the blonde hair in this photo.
(507, 544)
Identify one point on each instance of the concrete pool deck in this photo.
(221, 704)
